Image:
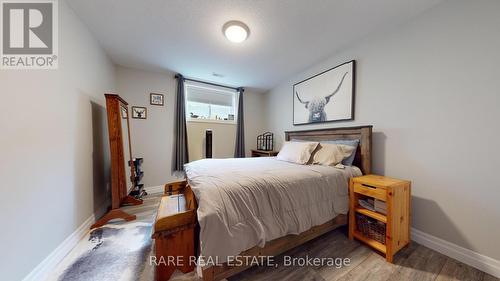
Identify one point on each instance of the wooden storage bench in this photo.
(174, 231)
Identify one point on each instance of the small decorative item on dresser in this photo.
(263, 153)
(139, 112)
(389, 232)
(265, 141)
(156, 99)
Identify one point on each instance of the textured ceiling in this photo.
(286, 37)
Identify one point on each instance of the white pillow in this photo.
(330, 154)
(297, 152)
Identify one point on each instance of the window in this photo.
(210, 103)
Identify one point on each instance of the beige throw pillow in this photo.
(331, 154)
(297, 152)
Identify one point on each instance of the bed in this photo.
(264, 207)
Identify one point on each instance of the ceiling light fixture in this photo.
(235, 31)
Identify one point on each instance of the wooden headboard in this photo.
(363, 158)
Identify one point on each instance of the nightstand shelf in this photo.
(371, 214)
(370, 242)
(396, 223)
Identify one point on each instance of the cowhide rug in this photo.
(112, 253)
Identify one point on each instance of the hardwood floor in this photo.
(414, 262)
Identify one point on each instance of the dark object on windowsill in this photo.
(192, 115)
(265, 141)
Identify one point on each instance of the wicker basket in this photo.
(370, 228)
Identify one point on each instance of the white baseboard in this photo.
(154, 189)
(469, 257)
(43, 269)
(49, 264)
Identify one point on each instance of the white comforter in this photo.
(248, 201)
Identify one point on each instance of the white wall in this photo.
(223, 139)
(431, 90)
(255, 117)
(153, 138)
(53, 142)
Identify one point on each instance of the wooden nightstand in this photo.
(263, 153)
(397, 195)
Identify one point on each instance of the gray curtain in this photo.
(181, 156)
(239, 151)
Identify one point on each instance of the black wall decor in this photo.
(265, 141)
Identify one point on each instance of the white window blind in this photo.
(210, 96)
(207, 102)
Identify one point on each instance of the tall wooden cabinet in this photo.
(122, 170)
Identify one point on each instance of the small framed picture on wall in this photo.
(139, 112)
(156, 99)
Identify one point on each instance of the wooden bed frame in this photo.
(280, 245)
(363, 157)
(362, 160)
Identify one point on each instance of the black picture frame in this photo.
(137, 112)
(352, 100)
(152, 100)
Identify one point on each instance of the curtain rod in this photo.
(210, 83)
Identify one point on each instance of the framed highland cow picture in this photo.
(325, 97)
